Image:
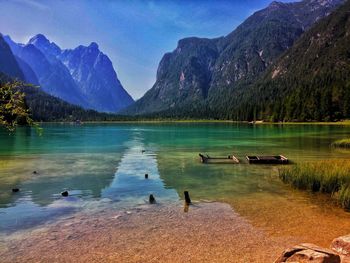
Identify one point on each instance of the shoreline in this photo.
(208, 232)
(340, 123)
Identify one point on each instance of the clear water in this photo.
(103, 166)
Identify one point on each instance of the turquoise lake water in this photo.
(103, 166)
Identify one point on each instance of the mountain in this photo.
(205, 73)
(43, 106)
(311, 81)
(83, 76)
(94, 74)
(53, 77)
(183, 76)
(8, 63)
(29, 74)
(50, 49)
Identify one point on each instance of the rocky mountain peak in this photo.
(39, 38)
(93, 45)
(275, 4)
(44, 45)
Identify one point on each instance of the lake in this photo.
(103, 167)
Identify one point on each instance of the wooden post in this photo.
(146, 176)
(187, 197)
(152, 200)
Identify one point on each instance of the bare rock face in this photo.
(305, 253)
(342, 245)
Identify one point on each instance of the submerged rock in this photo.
(308, 253)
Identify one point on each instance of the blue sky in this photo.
(135, 34)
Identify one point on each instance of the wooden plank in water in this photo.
(230, 159)
(267, 159)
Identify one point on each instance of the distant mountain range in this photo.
(287, 62)
(83, 76)
(210, 77)
(43, 106)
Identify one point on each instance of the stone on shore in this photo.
(304, 253)
(342, 245)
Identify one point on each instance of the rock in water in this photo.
(15, 190)
(308, 253)
(65, 193)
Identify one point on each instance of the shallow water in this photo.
(103, 167)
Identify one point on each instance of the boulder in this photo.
(345, 259)
(304, 253)
(342, 245)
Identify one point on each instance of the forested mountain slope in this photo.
(203, 74)
(311, 81)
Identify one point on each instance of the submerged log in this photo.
(187, 197)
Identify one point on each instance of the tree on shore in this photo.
(13, 109)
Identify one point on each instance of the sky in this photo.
(135, 34)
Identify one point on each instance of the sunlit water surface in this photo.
(103, 166)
